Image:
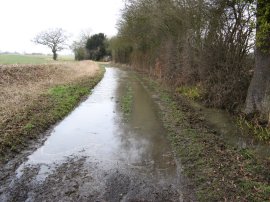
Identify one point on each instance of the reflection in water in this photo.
(96, 130)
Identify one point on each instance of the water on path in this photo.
(94, 154)
(226, 125)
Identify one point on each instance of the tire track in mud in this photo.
(94, 154)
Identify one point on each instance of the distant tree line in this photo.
(88, 47)
(9, 53)
(207, 44)
(93, 47)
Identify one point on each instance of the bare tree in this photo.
(55, 39)
(78, 46)
(85, 35)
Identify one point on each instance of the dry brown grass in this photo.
(21, 85)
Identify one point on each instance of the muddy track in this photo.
(77, 180)
(98, 153)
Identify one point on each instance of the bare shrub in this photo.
(191, 43)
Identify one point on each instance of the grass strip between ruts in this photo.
(217, 170)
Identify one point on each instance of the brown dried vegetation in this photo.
(23, 84)
(191, 43)
(25, 99)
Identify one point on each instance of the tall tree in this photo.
(258, 98)
(55, 39)
(96, 46)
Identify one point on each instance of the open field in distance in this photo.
(31, 59)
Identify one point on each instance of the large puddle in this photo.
(226, 125)
(97, 131)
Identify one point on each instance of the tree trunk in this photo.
(258, 98)
(54, 55)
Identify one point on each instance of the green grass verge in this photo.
(262, 133)
(45, 111)
(126, 101)
(66, 97)
(217, 170)
(30, 59)
(191, 92)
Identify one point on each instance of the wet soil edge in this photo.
(45, 112)
(217, 170)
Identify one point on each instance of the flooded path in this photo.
(95, 154)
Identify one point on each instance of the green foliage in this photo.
(263, 25)
(192, 92)
(80, 53)
(66, 97)
(96, 46)
(29, 126)
(95, 41)
(247, 154)
(120, 50)
(254, 128)
(255, 191)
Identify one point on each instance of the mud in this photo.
(95, 154)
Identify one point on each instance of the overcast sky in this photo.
(21, 20)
